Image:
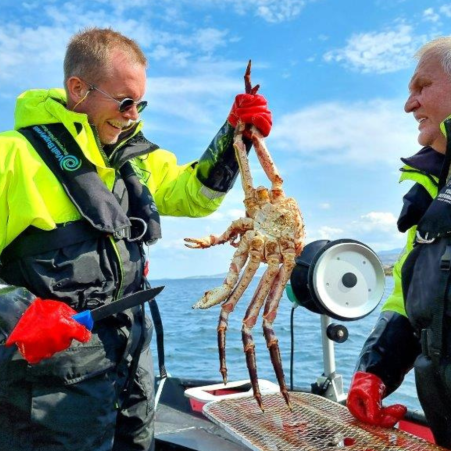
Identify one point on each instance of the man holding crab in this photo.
(81, 191)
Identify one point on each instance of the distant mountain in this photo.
(389, 257)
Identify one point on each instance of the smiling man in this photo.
(112, 108)
(414, 328)
(81, 191)
(430, 94)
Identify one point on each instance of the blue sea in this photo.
(191, 343)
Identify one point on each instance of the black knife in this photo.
(88, 317)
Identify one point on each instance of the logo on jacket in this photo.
(66, 161)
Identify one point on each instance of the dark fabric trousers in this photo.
(434, 392)
(48, 412)
(135, 423)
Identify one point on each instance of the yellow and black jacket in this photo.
(392, 347)
(33, 201)
(74, 219)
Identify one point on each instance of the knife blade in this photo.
(88, 317)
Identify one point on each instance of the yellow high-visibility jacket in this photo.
(30, 194)
(395, 301)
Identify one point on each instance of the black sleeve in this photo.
(217, 167)
(390, 350)
(415, 204)
(13, 302)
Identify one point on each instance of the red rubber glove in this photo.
(46, 327)
(365, 401)
(251, 109)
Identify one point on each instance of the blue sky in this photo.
(335, 73)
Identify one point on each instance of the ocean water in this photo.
(191, 343)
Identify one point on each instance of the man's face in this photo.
(430, 101)
(125, 80)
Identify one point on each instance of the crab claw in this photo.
(212, 297)
(200, 243)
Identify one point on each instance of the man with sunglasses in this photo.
(81, 191)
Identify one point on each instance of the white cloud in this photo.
(381, 52)
(209, 39)
(375, 229)
(325, 233)
(273, 11)
(357, 133)
(235, 213)
(177, 57)
(200, 100)
(377, 220)
(445, 10)
(165, 244)
(226, 217)
(39, 48)
(430, 15)
(24, 50)
(178, 48)
(279, 10)
(378, 230)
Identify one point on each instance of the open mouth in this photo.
(117, 126)
(421, 122)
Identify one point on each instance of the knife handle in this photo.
(84, 318)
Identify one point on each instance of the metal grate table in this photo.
(314, 424)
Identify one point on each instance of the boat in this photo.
(341, 279)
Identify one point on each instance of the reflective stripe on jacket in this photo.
(395, 301)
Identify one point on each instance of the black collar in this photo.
(426, 160)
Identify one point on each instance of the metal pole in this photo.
(328, 347)
(330, 383)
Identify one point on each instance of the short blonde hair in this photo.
(88, 53)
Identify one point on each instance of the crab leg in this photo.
(248, 89)
(266, 161)
(243, 163)
(237, 227)
(252, 315)
(255, 256)
(218, 294)
(269, 315)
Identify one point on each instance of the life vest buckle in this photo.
(425, 239)
(122, 234)
(144, 229)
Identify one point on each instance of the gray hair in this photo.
(440, 47)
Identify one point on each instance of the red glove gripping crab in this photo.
(272, 232)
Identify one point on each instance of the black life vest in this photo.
(134, 216)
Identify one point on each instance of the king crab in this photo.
(273, 233)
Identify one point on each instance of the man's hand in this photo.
(251, 109)
(46, 327)
(365, 401)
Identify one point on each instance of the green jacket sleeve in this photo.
(416, 201)
(395, 301)
(195, 189)
(217, 167)
(176, 188)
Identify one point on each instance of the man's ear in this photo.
(76, 90)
